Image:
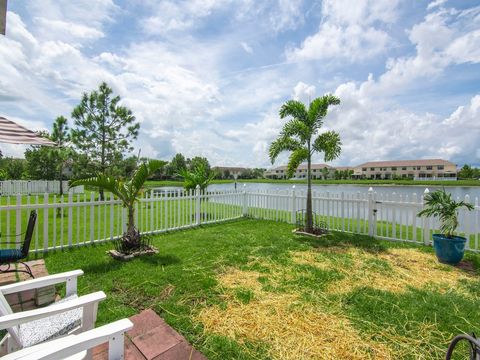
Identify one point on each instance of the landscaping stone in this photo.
(301, 232)
(126, 257)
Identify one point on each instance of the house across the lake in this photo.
(318, 172)
(425, 169)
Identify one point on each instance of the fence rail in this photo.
(79, 219)
(32, 187)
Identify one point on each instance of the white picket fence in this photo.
(32, 187)
(76, 219)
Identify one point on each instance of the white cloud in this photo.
(349, 30)
(64, 28)
(246, 47)
(193, 94)
(179, 15)
(303, 92)
(435, 4)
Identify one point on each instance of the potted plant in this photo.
(132, 243)
(449, 248)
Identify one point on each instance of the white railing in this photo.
(32, 187)
(78, 219)
(384, 216)
(75, 219)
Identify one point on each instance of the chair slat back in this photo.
(29, 233)
(5, 309)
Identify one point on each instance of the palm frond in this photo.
(318, 109)
(441, 204)
(143, 172)
(296, 158)
(108, 183)
(329, 143)
(200, 175)
(295, 109)
(295, 127)
(283, 143)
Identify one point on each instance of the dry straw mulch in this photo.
(293, 328)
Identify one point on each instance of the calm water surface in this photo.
(456, 191)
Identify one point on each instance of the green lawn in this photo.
(250, 289)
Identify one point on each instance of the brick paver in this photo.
(151, 338)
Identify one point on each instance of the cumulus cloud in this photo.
(200, 90)
(350, 31)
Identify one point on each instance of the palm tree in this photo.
(127, 192)
(441, 204)
(199, 175)
(300, 136)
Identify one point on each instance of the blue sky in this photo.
(207, 77)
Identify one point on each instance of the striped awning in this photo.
(12, 133)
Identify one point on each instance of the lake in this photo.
(456, 191)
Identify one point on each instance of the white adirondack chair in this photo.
(70, 315)
(73, 347)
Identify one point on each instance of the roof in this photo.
(421, 162)
(302, 167)
(343, 168)
(12, 133)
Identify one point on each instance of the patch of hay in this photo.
(291, 330)
(404, 268)
(235, 278)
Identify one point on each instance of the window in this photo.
(440, 167)
(394, 168)
(364, 169)
(404, 168)
(429, 167)
(372, 169)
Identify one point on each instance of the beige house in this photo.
(280, 172)
(428, 169)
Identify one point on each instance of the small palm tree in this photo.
(300, 136)
(199, 175)
(128, 193)
(440, 203)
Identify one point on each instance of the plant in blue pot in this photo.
(449, 248)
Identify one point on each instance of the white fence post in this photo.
(245, 200)
(372, 213)
(293, 218)
(426, 221)
(18, 225)
(197, 205)
(45, 222)
(70, 217)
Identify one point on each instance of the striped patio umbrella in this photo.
(12, 133)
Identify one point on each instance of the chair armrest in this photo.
(73, 344)
(15, 319)
(69, 277)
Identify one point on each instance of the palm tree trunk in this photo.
(130, 221)
(309, 215)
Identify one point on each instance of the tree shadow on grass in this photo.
(158, 259)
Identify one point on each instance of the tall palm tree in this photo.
(300, 135)
(127, 192)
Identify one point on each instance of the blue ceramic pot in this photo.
(449, 250)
